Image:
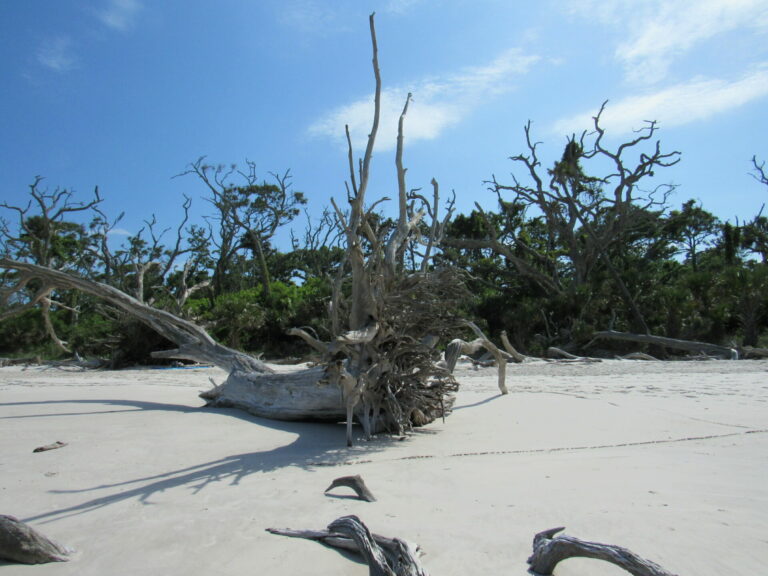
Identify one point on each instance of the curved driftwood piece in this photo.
(23, 544)
(516, 356)
(664, 342)
(193, 342)
(384, 556)
(458, 347)
(357, 484)
(549, 550)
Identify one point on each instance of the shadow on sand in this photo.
(314, 445)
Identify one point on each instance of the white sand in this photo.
(667, 459)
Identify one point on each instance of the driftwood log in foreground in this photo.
(21, 543)
(357, 484)
(395, 557)
(549, 550)
(385, 556)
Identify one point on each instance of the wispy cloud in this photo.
(119, 14)
(56, 53)
(676, 105)
(658, 32)
(308, 16)
(438, 103)
(119, 232)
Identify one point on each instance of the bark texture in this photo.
(549, 550)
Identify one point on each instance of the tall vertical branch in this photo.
(362, 301)
(403, 225)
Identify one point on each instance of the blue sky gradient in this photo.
(124, 94)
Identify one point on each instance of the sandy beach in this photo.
(669, 459)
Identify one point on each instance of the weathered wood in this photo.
(751, 352)
(562, 355)
(23, 544)
(193, 342)
(385, 556)
(53, 446)
(357, 484)
(689, 345)
(516, 356)
(638, 356)
(457, 347)
(293, 396)
(549, 550)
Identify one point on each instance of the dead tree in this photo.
(664, 342)
(583, 218)
(46, 236)
(386, 318)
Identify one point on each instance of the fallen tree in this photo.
(385, 317)
(688, 345)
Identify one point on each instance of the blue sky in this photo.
(123, 94)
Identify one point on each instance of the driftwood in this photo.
(751, 352)
(23, 544)
(385, 556)
(53, 446)
(395, 557)
(384, 317)
(193, 342)
(638, 356)
(458, 347)
(549, 550)
(516, 356)
(357, 484)
(563, 356)
(664, 342)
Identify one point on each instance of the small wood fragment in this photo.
(22, 544)
(54, 446)
(357, 484)
(549, 550)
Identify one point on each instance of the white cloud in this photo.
(438, 103)
(657, 32)
(119, 14)
(56, 54)
(118, 232)
(699, 99)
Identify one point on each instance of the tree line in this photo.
(587, 244)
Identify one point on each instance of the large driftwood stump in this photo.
(549, 550)
(385, 556)
(21, 543)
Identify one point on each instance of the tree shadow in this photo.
(479, 403)
(314, 445)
